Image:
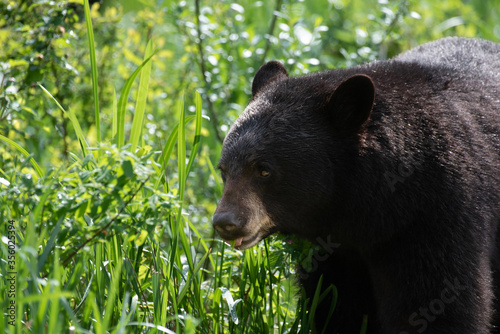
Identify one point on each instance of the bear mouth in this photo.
(246, 242)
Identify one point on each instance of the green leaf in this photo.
(128, 168)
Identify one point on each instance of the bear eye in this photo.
(265, 173)
(263, 170)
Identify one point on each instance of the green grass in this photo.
(103, 251)
(74, 121)
(93, 65)
(20, 149)
(142, 94)
(104, 244)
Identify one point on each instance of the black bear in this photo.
(397, 161)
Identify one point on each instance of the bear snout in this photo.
(241, 217)
(226, 224)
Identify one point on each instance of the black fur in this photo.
(399, 162)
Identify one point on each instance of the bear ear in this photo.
(268, 73)
(351, 103)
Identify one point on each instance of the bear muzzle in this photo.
(226, 224)
(232, 230)
(241, 218)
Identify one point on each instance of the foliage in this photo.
(111, 195)
(99, 248)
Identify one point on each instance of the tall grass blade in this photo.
(125, 316)
(50, 244)
(3, 173)
(97, 314)
(100, 273)
(93, 65)
(23, 152)
(197, 133)
(37, 212)
(112, 294)
(114, 126)
(141, 99)
(55, 325)
(122, 103)
(181, 153)
(167, 150)
(76, 125)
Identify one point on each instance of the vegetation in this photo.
(109, 131)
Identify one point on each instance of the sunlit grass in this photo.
(89, 260)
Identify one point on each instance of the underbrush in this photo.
(103, 243)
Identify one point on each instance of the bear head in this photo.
(281, 158)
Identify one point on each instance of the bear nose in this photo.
(225, 222)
